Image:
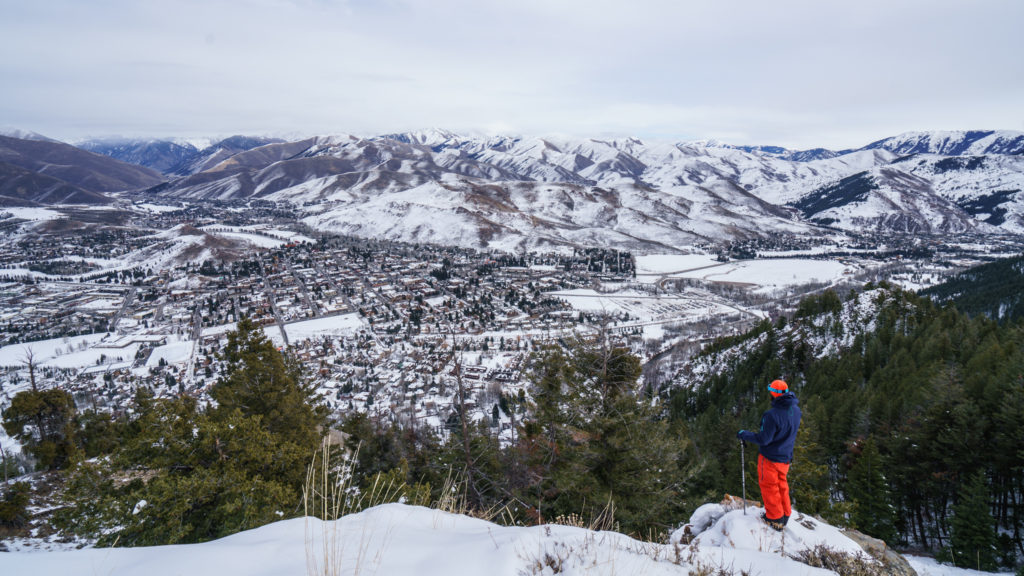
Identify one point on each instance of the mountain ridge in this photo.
(565, 191)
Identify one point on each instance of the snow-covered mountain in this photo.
(514, 192)
(521, 192)
(173, 158)
(926, 193)
(953, 143)
(160, 155)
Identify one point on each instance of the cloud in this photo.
(788, 72)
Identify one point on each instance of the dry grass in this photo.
(842, 563)
(329, 495)
(601, 522)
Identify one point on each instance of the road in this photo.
(124, 308)
(272, 298)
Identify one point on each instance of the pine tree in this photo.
(973, 535)
(809, 475)
(261, 381)
(596, 446)
(868, 489)
(199, 475)
(44, 421)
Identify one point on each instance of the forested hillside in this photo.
(995, 290)
(912, 411)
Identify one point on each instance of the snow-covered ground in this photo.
(929, 567)
(156, 208)
(772, 274)
(172, 353)
(400, 540)
(644, 307)
(759, 274)
(329, 326)
(341, 325)
(32, 213)
(69, 352)
(660, 264)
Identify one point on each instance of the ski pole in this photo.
(742, 469)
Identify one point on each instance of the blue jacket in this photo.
(778, 429)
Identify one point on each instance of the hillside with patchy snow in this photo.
(824, 334)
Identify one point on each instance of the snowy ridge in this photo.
(698, 191)
(954, 142)
(186, 244)
(401, 540)
(827, 335)
(926, 193)
(673, 193)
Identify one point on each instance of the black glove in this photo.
(740, 434)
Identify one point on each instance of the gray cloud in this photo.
(796, 73)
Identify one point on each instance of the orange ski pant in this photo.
(771, 477)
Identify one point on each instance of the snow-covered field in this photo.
(762, 275)
(157, 208)
(773, 274)
(341, 325)
(400, 540)
(644, 307)
(660, 264)
(70, 352)
(173, 353)
(330, 326)
(32, 213)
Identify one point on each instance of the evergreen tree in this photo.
(596, 446)
(973, 535)
(809, 475)
(198, 475)
(44, 421)
(259, 380)
(868, 490)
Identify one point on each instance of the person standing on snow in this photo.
(775, 441)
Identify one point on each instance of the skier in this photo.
(775, 441)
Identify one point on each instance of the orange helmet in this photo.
(778, 388)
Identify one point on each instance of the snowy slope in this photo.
(954, 142)
(926, 193)
(989, 188)
(825, 334)
(400, 540)
(515, 215)
(512, 192)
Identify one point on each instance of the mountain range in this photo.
(513, 193)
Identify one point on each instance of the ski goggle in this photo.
(776, 390)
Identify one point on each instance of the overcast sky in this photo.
(834, 73)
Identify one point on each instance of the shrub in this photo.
(14, 505)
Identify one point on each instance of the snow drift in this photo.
(396, 540)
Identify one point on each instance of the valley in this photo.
(103, 302)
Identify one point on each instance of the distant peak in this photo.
(25, 135)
